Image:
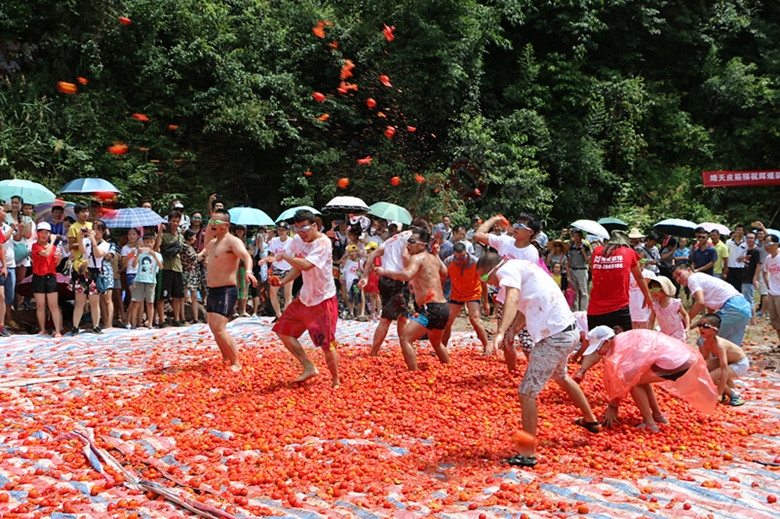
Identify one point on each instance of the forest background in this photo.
(569, 109)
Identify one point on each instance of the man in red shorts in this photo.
(316, 308)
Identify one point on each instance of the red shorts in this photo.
(320, 321)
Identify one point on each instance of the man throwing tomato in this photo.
(316, 308)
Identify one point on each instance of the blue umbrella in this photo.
(289, 213)
(773, 231)
(249, 216)
(86, 186)
(676, 227)
(128, 217)
(31, 192)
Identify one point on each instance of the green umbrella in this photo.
(391, 212)
(613, 224)
(31, 192)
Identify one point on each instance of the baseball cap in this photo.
(597, 336)
(398, 225)
(43, 226)
(371, 245)
(178, 205)
(283, 225)
(351, 248)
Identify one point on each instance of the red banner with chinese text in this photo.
(740, 178)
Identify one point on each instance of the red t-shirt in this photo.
(43, 265)
(611, 277)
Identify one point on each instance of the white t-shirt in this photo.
(505, 246)
(29, 241)
(636, 299)
(95, 262)
(8, 248)
(541, 301)
(393, 256)
(581, 318)
(277, 247)
(716, 291)
(736, 251)
(126, 250)
(772, 268)
(351, 271)
(318, 282)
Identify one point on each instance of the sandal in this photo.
(593, 427)
(521, 461)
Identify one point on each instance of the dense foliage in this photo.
(569, 109)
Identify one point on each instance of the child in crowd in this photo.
(372, 288)
(147, 263)
(725, 360)
(351, 271)
(557, 274)
(672, 317)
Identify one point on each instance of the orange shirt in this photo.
(465, 282)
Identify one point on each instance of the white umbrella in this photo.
(710, 226)
(346, 204)
(591, 227)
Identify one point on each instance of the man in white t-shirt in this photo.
(771, 276)
(710, 292)
(316, 309)
(276, 247)
(394, 293)
(534, 300)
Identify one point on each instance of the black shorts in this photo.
(620, 318)
(433, 316)
(221, 300)
(44, 284)
(172, 284)
(394, 295)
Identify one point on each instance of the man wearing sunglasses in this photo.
(224, 253)
(703, 255)
(425, 273)
(708, 291)
(534, 300)
(316, 308)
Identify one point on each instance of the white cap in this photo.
(398, 225)
(43, 226)
(178, 205)
(597, 336)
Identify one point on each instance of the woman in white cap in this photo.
(636, 359)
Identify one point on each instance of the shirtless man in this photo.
(425, 272)
(224, 253)
(725, 360)
(316, 308)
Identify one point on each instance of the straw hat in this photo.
(634, 233)
(563, 244)
(666, 285)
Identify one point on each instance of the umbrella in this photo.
(391, 212)
(44, 210)
(613, 224)
(676, 227)
(128, 217)
(289, 213)
(345, 204)
(710, 226)
(65, 291)
(31, 192)
(249, 216)
(591, 227)
(773, 231)
(87, 186)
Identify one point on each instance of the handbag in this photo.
(21, 251)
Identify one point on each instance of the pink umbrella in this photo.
(710, 226)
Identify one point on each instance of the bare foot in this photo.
(306, 375)
(58, 335)
(235, 367)
(336, 383)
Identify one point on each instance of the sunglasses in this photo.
(705, 325)
(197, 218)
(303, 228)
(485, 277)
(214, 221)
(654, 290)
(702, 237)
(521, 226)
(412, 241)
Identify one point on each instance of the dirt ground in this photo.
(761, 340)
